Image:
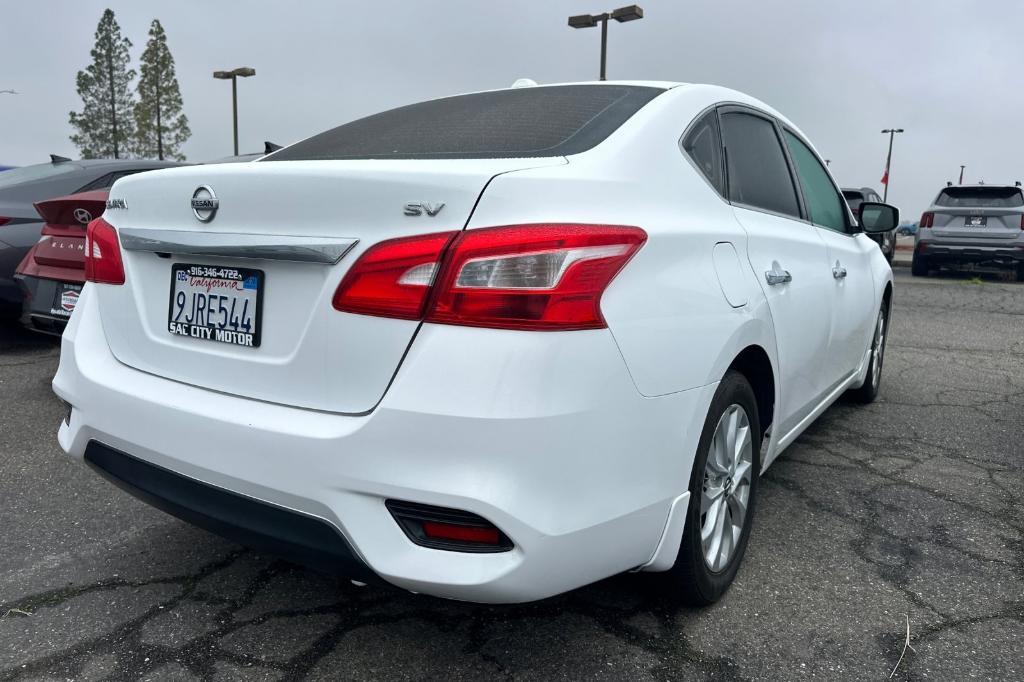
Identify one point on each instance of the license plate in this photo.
(975, 221)
(213, 303)
(65, 299)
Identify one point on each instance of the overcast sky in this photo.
(948, 71)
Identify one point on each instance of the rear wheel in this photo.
(869, 391)
(723, 492)
(1020, 271)
(919, 266)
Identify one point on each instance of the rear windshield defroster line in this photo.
(525, 122)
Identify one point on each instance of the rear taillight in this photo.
(103, 254)
(926, 219)
(4, 221)
(393, 278)
(1022, 222)
(534, 277)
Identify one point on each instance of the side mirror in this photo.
(876, 217)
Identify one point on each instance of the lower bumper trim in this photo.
(293, 536)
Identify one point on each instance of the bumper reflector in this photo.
(452, 530)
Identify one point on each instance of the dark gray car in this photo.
(855, 197)
(20, 224)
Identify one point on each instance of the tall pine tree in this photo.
(105, 126)
(160, 126)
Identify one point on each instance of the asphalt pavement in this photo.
(907, 511)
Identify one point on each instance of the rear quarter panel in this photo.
(666, 309)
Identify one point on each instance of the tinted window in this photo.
(981, 197)
(703, 144)
(854, 199)
(16, 176)
(107, 181)
(823, 201)
(525, 122)
(757, 170)
(101, 182)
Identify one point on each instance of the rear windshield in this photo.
(982, 197)
(16, 176)
(525, 122)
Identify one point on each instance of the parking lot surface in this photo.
(908, 510)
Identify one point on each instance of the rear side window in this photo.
(703, 144)
(757, 170)
(823, 201)
(980, 197)
(525, 122)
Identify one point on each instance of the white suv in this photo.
(489, 347)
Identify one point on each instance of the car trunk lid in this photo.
(291, 229)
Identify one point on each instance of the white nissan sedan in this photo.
(490, 347)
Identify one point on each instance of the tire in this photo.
(1020, 271)
(9, 312)
(873, 381)
(919, 266)
(692, 580)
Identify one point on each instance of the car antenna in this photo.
(270, 147)
(949, 183)
(54, 158)
(1017, 184)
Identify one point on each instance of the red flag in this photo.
(885, 177)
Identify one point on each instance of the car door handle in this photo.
(777, 276)
(838, 271)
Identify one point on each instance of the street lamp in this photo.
(622, 14)
(962, 173)
(233, 76)
(888, 161)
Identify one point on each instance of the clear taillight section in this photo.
(534, 277)
(103, 262)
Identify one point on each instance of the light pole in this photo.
(622, 14)
(962, 173)
(233, 76)
(888, 160)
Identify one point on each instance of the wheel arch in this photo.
(754, 363)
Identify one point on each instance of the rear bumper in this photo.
(38, 311)
(543, 435)
(283, 532)
(977, 252)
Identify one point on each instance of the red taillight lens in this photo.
(393, 278)
(926, 219)
(536, 277)
(103, 254)
(1022, 222)
(449, 531)
(4, 221)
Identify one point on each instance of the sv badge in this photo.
(421, 207)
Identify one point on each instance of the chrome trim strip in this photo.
(297, 249)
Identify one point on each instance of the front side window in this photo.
(758, 175)
(703, 144)
(823, 201)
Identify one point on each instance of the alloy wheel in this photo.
(878, 350)
(725, 494)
